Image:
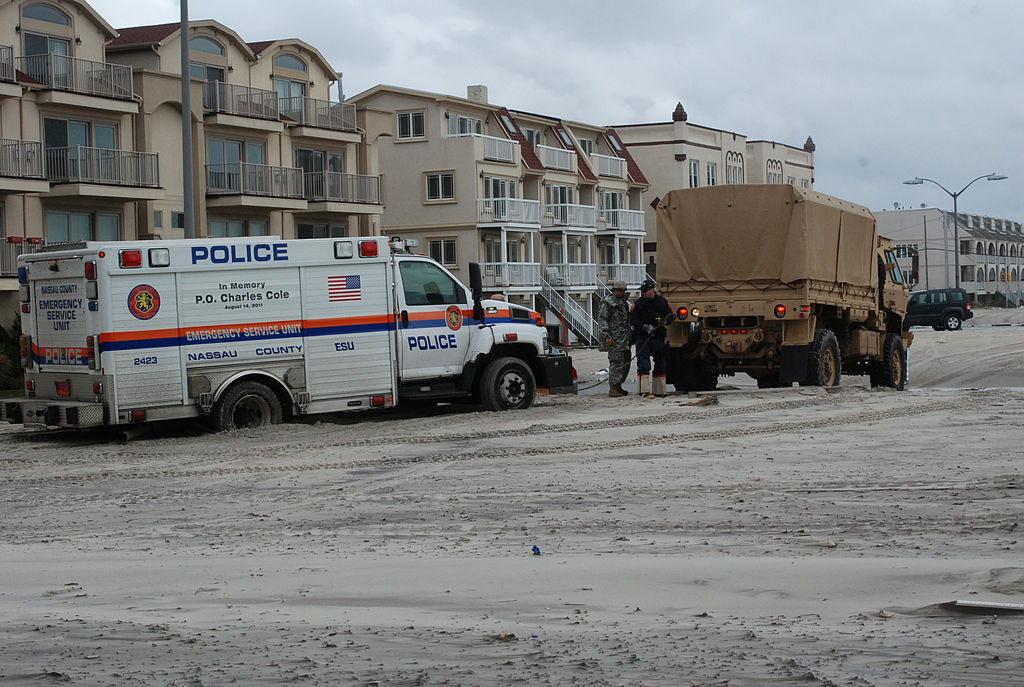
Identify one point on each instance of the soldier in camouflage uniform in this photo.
(615, 337)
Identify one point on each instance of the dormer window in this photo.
(47, 13)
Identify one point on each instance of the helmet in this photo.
(647, 285)
(618, 285)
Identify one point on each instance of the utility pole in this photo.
(186, 129)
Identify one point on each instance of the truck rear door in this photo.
(433, 335)
(59, 324)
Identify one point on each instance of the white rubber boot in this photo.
(658, 385)
(644, 385)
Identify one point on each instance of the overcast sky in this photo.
(888, 90)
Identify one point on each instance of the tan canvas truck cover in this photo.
(770, 232)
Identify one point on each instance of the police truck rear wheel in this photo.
(507, 384)
(247, 405)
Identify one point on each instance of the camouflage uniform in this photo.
(613, 324)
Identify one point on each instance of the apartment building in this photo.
(679, 154)
(552, 209)
(90, 122)
(991, 252)
(70, 168)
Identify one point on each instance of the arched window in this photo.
(1002, 250)
(48, 13)
(979, 249)
(286, 61)
(981, 274)
(991, 249)
(991, 273)
(207, 45)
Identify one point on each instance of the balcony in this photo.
(571, 274)
(21, 167)
(557, 158)
(13, 246)
(498, 274)
(491, 147)
(82, 165)
(321, 114)
(243, 101)
(631, 274)
(507, 210)
(568, 215)
(623, 220)
(76, 75)
(608, 166)
(334, 187)
(245, 184)
(7, 64)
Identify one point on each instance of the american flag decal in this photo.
(344, 288)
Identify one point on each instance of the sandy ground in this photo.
(785, 537)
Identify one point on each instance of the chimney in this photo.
(478, 94)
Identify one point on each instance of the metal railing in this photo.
(497, 149)
(582, 324)
(630, 220)
(7, 63)
(79, 164)
(571, 274)
(608, 166)
(245, 101)
(569, 215)
(78, 75)
(250, 179)
(557, 158)
(510, 273)
(342, 188)
(508, 210)
(322, 114)
(13, 246)
(631, 274)
(21, 159)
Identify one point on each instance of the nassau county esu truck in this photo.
(247, 332)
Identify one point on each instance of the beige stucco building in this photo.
(552, 209)
(90, 119)
(679, 154)
(991, 252)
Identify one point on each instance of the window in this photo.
(441, 186)
(804, 183)
(321, 231)
(158, 219)
(66, 227)
(733, 168)
(64, 133)
(207, 45)
(458, 124)
(225, 228)
(587, 144)
(443, 250)
(611, 202)
(206, 72)
(47, 13)
(290, 62)
(427, 284)
(694, 173)
(36, 44)
(773, 172)
(712, 173)
(497, 190)
(557, 199)
(177, 220)
(534, 137)
(791, 181)
(410, 125)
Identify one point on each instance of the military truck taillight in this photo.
(681, 313)
(780, 311)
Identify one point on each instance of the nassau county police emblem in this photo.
(143, 301)
(453, 317)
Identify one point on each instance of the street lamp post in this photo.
(916, 181)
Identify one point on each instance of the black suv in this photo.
(940, 308)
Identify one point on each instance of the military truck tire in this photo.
(245, 406)
(892, 371)
(952, 322)
(507, 384)
(823, 363)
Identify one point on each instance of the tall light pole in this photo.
(916, 181)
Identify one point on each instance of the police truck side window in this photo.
(427, 284)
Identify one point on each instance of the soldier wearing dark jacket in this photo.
(614, 336)
(648, 318)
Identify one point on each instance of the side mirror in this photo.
(476, 285)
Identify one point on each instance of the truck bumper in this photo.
(46, 413)
(557, 375)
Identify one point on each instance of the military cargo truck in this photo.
(784, 284)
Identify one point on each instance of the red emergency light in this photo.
(367, 249)
(90, 269)
(130, 258)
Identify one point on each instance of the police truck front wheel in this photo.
(247, 405)
(507, 384)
